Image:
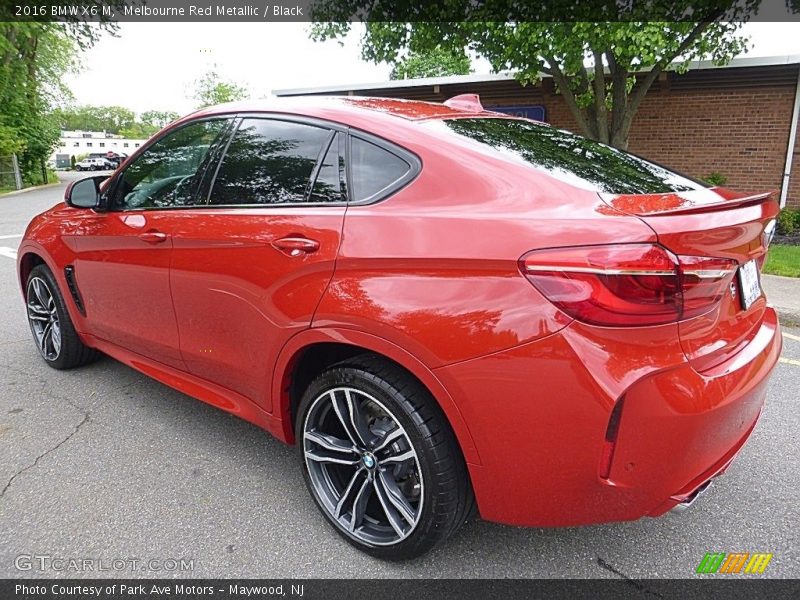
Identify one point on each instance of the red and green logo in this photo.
(735, 562)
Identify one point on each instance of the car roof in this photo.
(346, 108)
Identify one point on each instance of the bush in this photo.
(715, 179)
(788, 221)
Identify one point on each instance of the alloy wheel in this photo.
(362, 467)
(43, 318)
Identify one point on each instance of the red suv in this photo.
(449, 310)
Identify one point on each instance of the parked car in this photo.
(94, 164)
(450, 311)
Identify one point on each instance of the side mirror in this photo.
(85, 193)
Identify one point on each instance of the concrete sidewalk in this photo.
(784, 294)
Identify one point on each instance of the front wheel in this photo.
(50, 323)
(380, 459)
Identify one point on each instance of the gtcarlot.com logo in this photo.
(46, 562)
(734, 562)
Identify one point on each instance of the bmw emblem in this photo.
(368, 460)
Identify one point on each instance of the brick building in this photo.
(736, 120)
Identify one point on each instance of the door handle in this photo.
(296, 246)
(153, 237)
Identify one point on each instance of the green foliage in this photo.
(788, 221)
(436, 62)
(157, 119)
(715, 178)
(212, 89)
(603, 70)
(783, 260)
(34, 57)
(113, 119)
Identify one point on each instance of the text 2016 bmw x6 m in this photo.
(448, 310)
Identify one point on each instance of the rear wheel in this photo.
(380, 459)
(51, 326)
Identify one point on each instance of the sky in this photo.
(152, 66)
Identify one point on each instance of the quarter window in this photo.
(269, 162)
(374, 169)
(164, 175)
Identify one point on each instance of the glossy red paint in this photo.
(430, 279)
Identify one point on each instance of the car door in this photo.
(124, 251)
(249, 269)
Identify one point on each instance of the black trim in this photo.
(207, 183)
(312, 180)
(72, 284)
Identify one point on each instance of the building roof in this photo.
(766, 61)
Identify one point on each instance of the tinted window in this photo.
(373, 169)
(571, 158)
(165, 174)
(329, 185)
(269, 162)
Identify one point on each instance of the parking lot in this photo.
(102, 463)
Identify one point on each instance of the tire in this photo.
(409, 449)
(50, 323)
(78, 168)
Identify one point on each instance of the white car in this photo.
(94, 164)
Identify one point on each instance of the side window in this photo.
(269, 162)
(329, 185)
(164, 175)
(373, 169)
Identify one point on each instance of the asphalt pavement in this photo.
(102, 464)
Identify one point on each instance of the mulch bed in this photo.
(787, 239)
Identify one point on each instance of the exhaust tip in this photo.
(688, 502)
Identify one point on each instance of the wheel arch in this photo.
(320, 347)
(28, 261)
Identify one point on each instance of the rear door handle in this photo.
(153, 237)
(295, 245)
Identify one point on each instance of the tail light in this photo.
(628, 284)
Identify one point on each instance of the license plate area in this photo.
(749, 284)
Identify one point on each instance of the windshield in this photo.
(571, 158)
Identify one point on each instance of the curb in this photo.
(30, 189)
(788, 316)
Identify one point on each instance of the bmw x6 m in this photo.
(451, 312)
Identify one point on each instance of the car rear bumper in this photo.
(539, 414)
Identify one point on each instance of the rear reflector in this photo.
(628, 284)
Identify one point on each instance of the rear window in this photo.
(571, 158)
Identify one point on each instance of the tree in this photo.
(157, 118)
(602, 70)
(34, 57)
(212, 89)
(436, 62)
(113, 119)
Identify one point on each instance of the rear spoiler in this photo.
(679, 203)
